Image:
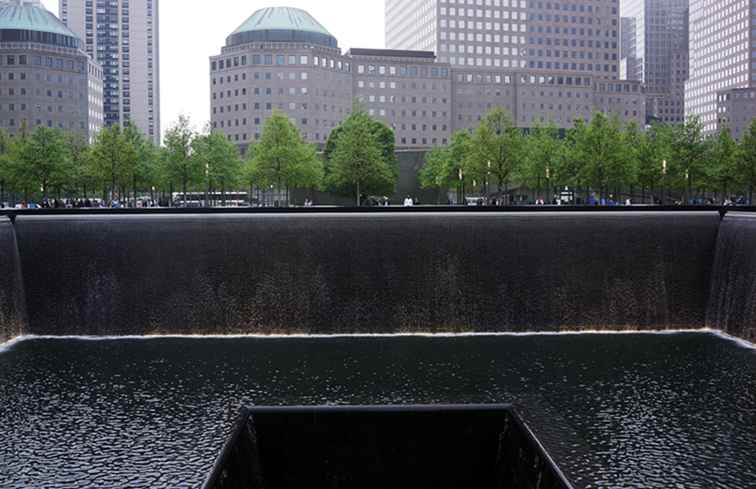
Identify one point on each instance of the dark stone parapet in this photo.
(377, 272)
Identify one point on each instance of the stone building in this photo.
(284, 59)
(45, 77)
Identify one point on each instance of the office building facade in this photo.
(283, 59)
(655, 52)
(46, 80)
(123, 36)
(722, 59)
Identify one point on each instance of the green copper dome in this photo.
(282, 24)
(23, 22)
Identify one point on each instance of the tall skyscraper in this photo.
(721, 59)
(656, 41)
(541, 37)
(123, 36)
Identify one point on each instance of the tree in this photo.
(282, 159)
(725, 154)
(179, 165)
(219, 157)
(113, 160)
(746, 164)
(444, 166)
(689, 155)
(386, 140)
(650, 150)
(44, 158)
(543, 155)
(357, 161)
(495, 149)
(600, 147)
(82, 177)
(5, 164)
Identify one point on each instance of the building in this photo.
(655, 52)
(736, 109)
(558, 38)
(722, 59)
(45, 77)
(283, 59)
(123, 36)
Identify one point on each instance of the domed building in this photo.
(279, 59)
(45, 77)
(283, 59)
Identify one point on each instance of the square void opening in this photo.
(418, 447)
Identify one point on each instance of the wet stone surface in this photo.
(630, 411)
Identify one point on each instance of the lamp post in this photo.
(664, 178)
(548, 182)
(488, 182)
(461, 197)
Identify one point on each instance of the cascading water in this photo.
(12, 306)
(357, 273)
(732, 304)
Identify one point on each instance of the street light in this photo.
(664, 178)
(461, 186)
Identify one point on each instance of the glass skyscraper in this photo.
(657, 53)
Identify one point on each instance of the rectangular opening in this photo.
(414, 447)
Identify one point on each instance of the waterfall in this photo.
(366, 273)
(732, 303)
(12, 303)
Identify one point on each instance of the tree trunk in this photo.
(359, 203)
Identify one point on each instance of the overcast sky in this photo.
(191, 31)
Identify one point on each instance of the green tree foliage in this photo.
(746, 164)
(650, 150)
(599, 148)
(357, 161)
(5, 165)
(113, 160)
(220, 160)
(689, 155)
(495, 149)
(179, 166)
(445, 166)
(282, 159)
(42, 160)
(725, 153)
(543, 156)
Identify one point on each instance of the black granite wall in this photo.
(366, 273)
(732, 306)
(12, 309)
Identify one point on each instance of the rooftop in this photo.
(392, 53)
(282, 24)
(28, 17)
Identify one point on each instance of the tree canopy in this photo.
(359, 161)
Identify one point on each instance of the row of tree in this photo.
(122, 165)
(604, 158)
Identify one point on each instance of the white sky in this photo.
(192, 30)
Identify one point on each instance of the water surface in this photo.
(629, 411)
